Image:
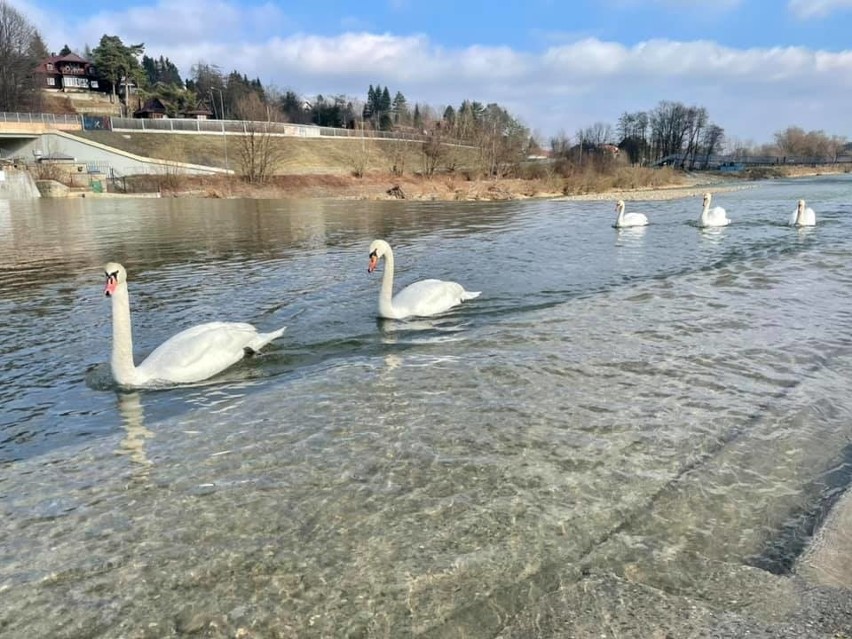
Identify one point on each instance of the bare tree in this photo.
(812, 145)
(836, 145)
(21, 49)
(597, 134)
(502, 141)
(258, 149)
(695, 121)
(434, 151)
(711, 140)
(791, 141)
(633, 136)
(560, 145)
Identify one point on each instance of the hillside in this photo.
(297, 156)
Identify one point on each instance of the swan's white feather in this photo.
(420, 299)
(202, 351)
(430, 297)
(808, 216)
(192, 355)
(717, 216)
(624, 220)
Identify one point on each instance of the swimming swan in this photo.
(803, 215)
(624, 220)
(421, 299)
(712, 217)
(190, 356)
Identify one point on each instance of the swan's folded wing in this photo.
(428, 297)
(199, 352)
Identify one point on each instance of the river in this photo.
(629, 432)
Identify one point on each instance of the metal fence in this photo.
(43, 118)
(243, 127)
(213, 127)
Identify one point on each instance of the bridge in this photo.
(28, 136)
(733, 163)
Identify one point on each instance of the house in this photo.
(153, 109)
(69, 73)
(198, 114)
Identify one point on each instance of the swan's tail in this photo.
(469, 295)
(262, 339)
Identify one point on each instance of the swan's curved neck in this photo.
(620, 219)
(705, 210)
(123, 369)
(800, 213)
(386, 292)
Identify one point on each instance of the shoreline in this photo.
(456, 188)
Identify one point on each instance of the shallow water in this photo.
(667, 405)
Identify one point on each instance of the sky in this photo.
(757, 66)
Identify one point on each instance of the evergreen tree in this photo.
(65, 50)
(400, 109)
(149, 66)
(371, 105)
(115, 61)
(385, 116)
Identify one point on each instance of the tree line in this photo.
(670, 130)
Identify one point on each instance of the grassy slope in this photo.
(299, 156)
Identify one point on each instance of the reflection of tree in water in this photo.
(133, 422)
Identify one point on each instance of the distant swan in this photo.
(712, 217)
(190, 356)
(624, 220)
(421, 299)
(803, 215)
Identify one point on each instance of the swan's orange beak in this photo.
(111, 283)
(373, 261)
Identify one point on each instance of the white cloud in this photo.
(806, 9)
(750, 92)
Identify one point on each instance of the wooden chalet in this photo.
(198, 114)
(153, 109)
(69, 73)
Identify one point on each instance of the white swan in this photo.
(624, 220)
(421, 299)
(712, 217)
(190, 356)
(803, 215)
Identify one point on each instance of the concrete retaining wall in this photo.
(17, 184)
(122, 162)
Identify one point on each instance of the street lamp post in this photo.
(222, 116)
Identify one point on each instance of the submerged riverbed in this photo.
(628, 433)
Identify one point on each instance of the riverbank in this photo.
(664, 184)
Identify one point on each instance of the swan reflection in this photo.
(419, 331)
(713, 234)
(630, 236)
(133, 421)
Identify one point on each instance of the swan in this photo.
(628, 219)
(190, 356)
(803, 215)
(421, 299)
(712, 217)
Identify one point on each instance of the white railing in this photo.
(242, 127)
(213, 127)
(43, 118)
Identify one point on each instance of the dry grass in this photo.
(619, 178)
(301, 156)
(353, 168)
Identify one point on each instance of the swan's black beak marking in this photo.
(374, 259)
(111, 283)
